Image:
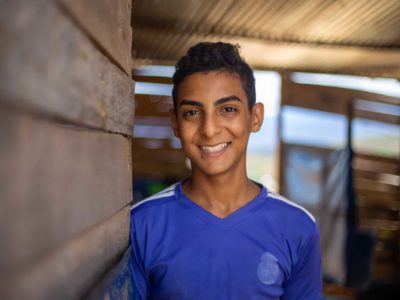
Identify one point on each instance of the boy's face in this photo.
(214, 123)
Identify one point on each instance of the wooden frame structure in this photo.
(66, 116)
(378, 201)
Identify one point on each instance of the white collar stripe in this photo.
(170, 191)
(164, 195)
(283, 199)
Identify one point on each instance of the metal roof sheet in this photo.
(343, 36)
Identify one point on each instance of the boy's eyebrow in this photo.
(190, 102)
(226, 99)
(216, 103)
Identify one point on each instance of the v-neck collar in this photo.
(230, 220)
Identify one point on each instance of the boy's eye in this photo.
(229, 109)
(191, 113)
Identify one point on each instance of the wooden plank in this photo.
(149, 169)
(384, 234)
(119, 283)
(376, 213)
(378, 224)
(371, 202)
(155, 106)
(152, 121)
(327, 98)
(109, 24)
(362, 95)
(164, 162)
(56, 181)
(376, 197)
(389, 160)
(376, 116)
(160, 156)
(72, 269)
(380, 177)
(164, 143)
(379, 166)
(152, 79)
(314, 97)
(49, 66)
(373, 185)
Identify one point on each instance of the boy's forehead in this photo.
(214, 74)
(216, 84)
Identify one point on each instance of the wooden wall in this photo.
(377, 197)
(66, 116)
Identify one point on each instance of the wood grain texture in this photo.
(119, 283)
(54, 182)
(332, 99)
(314, 97)
(108, 23)
(50, 66)
(72, 269)
(152, 79)
(376, 116)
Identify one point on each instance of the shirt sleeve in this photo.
(305, 281)
(141, 282)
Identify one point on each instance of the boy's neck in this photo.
(221, 195)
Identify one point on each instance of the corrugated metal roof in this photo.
(342, 36)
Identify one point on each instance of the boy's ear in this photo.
(174, 122)
(257, 116)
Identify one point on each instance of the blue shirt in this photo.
(268, 249)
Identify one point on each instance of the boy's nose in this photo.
(210, 126)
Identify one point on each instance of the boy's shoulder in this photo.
(289, 210)
(161, 198)
(290, 220)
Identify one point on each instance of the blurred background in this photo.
(85, 92)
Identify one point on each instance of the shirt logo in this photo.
(268, 269)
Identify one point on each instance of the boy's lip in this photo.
(215, 148)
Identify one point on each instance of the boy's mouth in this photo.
(214, 148)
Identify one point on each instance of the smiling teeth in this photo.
(216, 148)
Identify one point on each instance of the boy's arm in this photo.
(140, 280)
(305, 282)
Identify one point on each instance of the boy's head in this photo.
(207, 56)
(215, 109)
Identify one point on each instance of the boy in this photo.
(217, 234)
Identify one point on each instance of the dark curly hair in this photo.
(207, 56)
